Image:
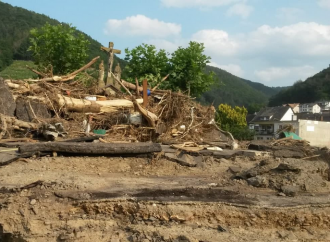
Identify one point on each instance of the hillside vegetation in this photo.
(236, 91)
(15, 26)
(316, 88)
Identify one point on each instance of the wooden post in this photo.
(145, 93)
(110, 51)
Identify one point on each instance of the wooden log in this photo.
(108, 106)
(92, 148)
(18, 123)
(101, 83)
(35, 71)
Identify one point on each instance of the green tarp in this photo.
(294, 136)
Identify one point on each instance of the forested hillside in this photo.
(15, 25)
(314, 89)
(234, 91)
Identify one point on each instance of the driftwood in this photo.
(11, 121)
(150, 117)
(92, 148)
(101, 83)
(68, 77)
(108, 106)
(37, 72)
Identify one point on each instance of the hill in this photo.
(15, 26)
(236, 91)
(315, 88)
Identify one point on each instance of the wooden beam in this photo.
(92, 148)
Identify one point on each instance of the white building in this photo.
(309, 108)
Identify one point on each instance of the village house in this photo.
(325, 106)
(313, 127)
(309, 108)
(269, 120)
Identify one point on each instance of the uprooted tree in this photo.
(60, 46)
(186, 67)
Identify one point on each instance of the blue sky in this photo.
(275, 42)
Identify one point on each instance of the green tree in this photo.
(188, 69)
(145, 62)
(60, 46)
(234, 121)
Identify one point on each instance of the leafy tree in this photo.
(229, 117)
(234, 121)
(145, 62)
(60, 46)
(188, 69)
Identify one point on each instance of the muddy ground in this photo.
(142, 199)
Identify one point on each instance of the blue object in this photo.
(148, 92)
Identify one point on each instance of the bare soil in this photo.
(143, 199)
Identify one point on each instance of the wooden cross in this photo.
(111, 51)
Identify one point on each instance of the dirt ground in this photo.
(142, 199)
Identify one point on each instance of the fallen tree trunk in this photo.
(108, 106)
(11, 121)
(92, 148)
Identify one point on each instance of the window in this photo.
(260, 138)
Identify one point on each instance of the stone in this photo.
(33, 202)
(258, 181)
(235, 169)
(290, 190)
(7, 102)
(182, 159)
(24, 112)
(287, 167)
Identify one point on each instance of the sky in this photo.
(274, 42)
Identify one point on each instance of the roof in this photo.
(312, 104)
(293, 105)
(314, 116)
(271, 114)
(250, 117)
(293, 135)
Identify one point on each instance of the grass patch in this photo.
(18, 71)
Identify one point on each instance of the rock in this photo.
(286, 153)
(287, 167)
(224, 161)
(182, 159)
(258, 181)
(221, 229)
(290, 190)
(177, 218)
(281, 194)
(264, 167)
(7, 102)
(33, 202)
(235, 169)
(24, 112)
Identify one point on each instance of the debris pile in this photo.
(56, 108)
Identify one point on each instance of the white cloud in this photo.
(289, 14)
(197, 3)
(141, 25)
(165, 44)
(231, 68)
(217, 42)
(241, 9)
(285, 73)
(324, 3)
(299, 40)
